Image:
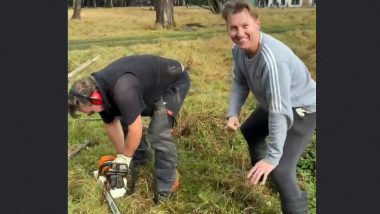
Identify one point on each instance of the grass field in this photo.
(212, 163)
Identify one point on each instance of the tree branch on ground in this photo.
(75, 72)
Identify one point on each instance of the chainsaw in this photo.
(112, 178)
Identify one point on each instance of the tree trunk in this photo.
(216, 6)
(108, 5)
(94, 3)
(77, 8)
(165, 13)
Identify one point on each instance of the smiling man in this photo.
(286, 94)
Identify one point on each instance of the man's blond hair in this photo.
(236, 6)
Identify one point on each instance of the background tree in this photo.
(215, 6)
(77, 7)
(110, 3)
(155, 2)
(165, 13)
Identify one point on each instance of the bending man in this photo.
(126, 90)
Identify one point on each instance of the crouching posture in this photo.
(126, 90)
(286, 93)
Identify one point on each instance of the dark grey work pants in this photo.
(255, 130)
(159, 134)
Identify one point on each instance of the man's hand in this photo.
(233, 124)
(118, 171)
(261, 168)
(122, 159)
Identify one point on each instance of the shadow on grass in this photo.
(127, 41)
(175, 35)
(272, 29)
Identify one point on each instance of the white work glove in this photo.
(233, 124)
(122, 159)
(118, 171)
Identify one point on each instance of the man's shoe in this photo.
(297, 205)
(164, 195)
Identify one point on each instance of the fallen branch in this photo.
(71, 154)
(89, 119)
(75, 72)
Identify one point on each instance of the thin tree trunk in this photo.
(165, 13)
(108, 5)
(94, 3)
(77, 8)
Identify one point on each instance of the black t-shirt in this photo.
(132, 84)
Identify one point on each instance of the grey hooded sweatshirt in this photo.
(280, 82)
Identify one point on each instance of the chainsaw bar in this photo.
(107, 194)
(111, 203)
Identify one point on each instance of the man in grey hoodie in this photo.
(286, 93)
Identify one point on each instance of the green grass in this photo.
(212, 163)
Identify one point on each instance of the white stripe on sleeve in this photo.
(273, 78)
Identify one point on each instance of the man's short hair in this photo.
(236, 6)
(83, 87)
